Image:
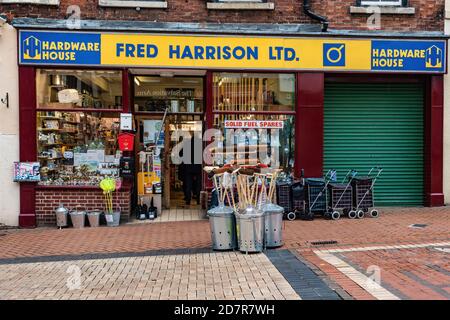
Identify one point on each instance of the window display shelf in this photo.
(52, 144)
(71, 122)
(238, 146)
(50, 118)
(79, 109)
(50, 159)
(49, 129)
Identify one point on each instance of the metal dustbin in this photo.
(61, 216)
(250, 229)
(78, 219)
(94, 218)
(223, 228)
(273, 225)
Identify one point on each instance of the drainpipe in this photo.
(315, 16)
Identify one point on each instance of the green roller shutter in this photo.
(367, 125)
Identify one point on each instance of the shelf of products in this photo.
(77, 148)
(76, 89)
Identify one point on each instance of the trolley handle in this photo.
(351, 173)
(330, 175)
(378, 170)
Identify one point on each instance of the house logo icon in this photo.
(433, 57)
(32, 48)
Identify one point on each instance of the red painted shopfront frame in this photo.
(310, 90)
(28, 133)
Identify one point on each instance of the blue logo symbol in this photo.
(32, 48)
(434, 57)
(334, 55)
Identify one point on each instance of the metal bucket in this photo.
(250, 227)
(61, 216)
(273, 221)
(223, 228)
(94, 218)
(113, 220)
(78, 219)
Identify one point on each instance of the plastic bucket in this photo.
(94, 218)
(78, 219)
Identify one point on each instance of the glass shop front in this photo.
(78, 126)
(159, 122)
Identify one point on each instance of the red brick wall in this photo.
(88, 199)
(429, 13)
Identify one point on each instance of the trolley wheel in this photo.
(291, 216)
(360, 214)
(374, 213)
(335, 215)
(352, 214)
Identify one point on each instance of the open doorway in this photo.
(186, 173)
(180, 182)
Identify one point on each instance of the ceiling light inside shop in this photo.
(148, 80)
(190, 81)
(166, 74)
(137, 81)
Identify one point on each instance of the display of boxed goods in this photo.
(77, 149)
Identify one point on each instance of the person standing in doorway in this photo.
(190, 174)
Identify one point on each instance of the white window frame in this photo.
(156, 4)
(381, 3)
(42, 2)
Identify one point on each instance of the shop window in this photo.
(255, 115)
(78, 89)
(254, 139)
(177, 94)
(77, 148)
(382, 2)
(252, 92)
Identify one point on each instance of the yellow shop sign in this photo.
(231, 52)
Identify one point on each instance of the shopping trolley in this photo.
(316, 193)
(341, 196)
(284, 195)
(363, 199)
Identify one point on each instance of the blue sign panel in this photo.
(418, 56)
(61, 48)
(334, 54)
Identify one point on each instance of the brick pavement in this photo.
(226, 275)
(409, 271)
(416, 271)
(390, 228)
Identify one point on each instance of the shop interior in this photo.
(78, 125)
(237, 96)
(183, 99)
